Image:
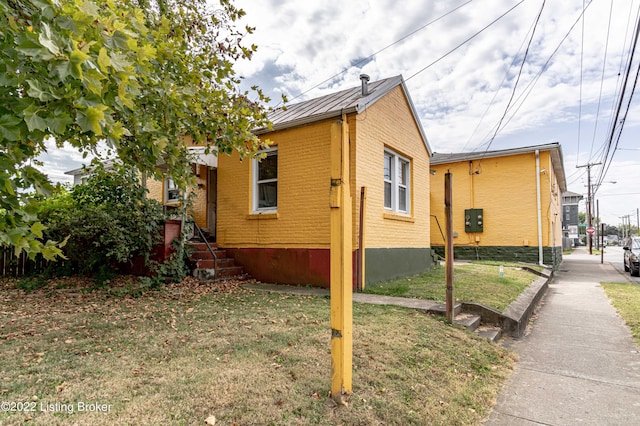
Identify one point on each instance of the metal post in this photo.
(450, 301)
(602, 243)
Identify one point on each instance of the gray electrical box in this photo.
(473, 220)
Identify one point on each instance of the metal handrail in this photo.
(204, 238)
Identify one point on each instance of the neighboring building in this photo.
(272, 215)
(506, 204)
(570, 219)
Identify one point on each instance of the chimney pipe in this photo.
(365, 84)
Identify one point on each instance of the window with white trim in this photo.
(265, 181)
(397, 189)
(171, 192)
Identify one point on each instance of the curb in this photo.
(518, 314)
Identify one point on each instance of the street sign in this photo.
(591, 230)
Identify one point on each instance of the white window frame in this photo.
(171, 192)
(256, 183)
(397, 162)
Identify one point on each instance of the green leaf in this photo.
(10, 127)
(37, 228)
(104, 62)
(34, 122)
(36, 91)
(8, 187)
(89, 8)
(63, 70)
(30, 47)
(89, 121)
(92, 81)
(77, 57)
(119, 40)
(46, 40)
(59, 123)
(119, 61)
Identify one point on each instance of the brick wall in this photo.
(505, 188)
(389, 123)
(302, 218)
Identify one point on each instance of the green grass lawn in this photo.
(625, 298)
(186, 352)
(477, 282)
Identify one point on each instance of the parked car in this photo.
(632, 256)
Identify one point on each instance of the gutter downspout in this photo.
(540, 251)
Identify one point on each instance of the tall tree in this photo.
(139, 75)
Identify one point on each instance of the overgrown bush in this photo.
(109, 220)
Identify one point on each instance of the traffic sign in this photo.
(591, 230)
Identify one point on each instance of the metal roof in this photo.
(334, 105)
(556, 158)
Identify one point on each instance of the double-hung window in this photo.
(265, 181)
(397, 189)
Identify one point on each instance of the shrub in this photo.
(109, 221)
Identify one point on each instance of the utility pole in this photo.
(589, 224)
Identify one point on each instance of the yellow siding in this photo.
(389, 123)
(303, 194)
(505, 187)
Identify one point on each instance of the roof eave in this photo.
(305, 120)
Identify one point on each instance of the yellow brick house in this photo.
(506, 204)
(273, 216)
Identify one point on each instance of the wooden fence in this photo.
(12, 266)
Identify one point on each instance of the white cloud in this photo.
(301, 44)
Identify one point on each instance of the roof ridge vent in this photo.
(364, 78)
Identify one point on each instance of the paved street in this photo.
(578, 363)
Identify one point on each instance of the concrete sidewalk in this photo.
(578, 363)
(420, 304)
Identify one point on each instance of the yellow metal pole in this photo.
(341, 264)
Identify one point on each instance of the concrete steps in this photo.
(471, 322)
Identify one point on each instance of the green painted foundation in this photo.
(384, 264)
(552, 256)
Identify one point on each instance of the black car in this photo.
(632, 256)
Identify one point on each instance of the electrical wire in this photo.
(529, 88)
(380, 51)
(604, 63)
(504, 78)
(466, 41)
(515, 86)
(580, 90)
(615, 127)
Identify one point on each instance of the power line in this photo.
(604, 63)
(580, 90)
(527, 91)
(381, 50)
(515, 86)
(504, 78)
(620, 102)
(466, 41)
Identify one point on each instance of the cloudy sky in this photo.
(463, 65)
